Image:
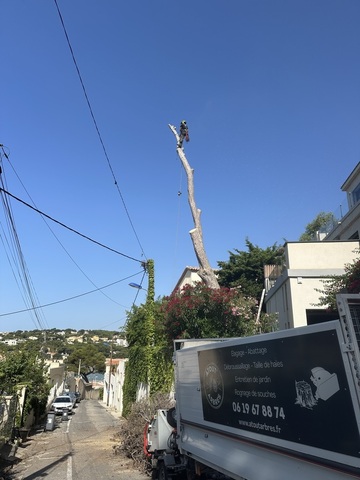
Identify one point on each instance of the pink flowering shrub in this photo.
(202, 312)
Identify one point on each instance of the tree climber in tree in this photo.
(184, 133)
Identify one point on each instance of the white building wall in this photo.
(190, 276)
(56, 374)
(320, 255)
(278, 304)
(113, 390)
(304, 296)
(307, 264)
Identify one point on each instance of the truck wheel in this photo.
(162, 472)
(171, 417)
(190, 475)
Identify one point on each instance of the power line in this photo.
(69, 298)
(29, 296)
(96, 126)
(52, 231)
(69, 228)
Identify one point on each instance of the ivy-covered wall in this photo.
(149, 362)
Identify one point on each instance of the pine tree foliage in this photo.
(245, 269)
(349, 282)
(88, 357)
(323, 222)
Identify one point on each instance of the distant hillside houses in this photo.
(70, 337)
(11, 342)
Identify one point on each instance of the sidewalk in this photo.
(113, 412)
(7, 458)
(13, 453)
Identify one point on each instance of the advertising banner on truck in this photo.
(294, 390)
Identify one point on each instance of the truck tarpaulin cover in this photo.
(294, 389)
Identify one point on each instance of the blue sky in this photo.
(270, 91)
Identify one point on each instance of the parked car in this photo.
(73, 397)
(61, 403)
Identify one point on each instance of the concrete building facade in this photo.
(294, 294)
(190, 276)
(348, 227)
(113, 383)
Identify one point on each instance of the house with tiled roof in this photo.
(189, 276)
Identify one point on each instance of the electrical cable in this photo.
(137, 294)
(178, 220)
(96, 126)
(113, 323)
(69, 298)
(29, 294)
(67, 227)
(7, 206)
(17, 277)
(53, 233)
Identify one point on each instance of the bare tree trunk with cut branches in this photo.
(206, 273)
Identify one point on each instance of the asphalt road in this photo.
(78, 449)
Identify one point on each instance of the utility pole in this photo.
(206, 273)
(149, 305)
(109, 380)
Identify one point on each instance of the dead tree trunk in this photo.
(206, 273)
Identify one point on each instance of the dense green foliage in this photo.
(57, 344)
(349, 282)
(245, 269)
(196, 312)
(25, 368)
(323, 222)
(138, 335)
(88, 357)
(148, 362)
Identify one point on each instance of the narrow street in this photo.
(78, 449)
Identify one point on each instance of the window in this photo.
(354, 236)
(356, 194)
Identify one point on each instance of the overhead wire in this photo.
(69, 298)
(27, 290)
(53, 233)
(96, 127)
(23, 274)
(17, 276)
(7, 249)
(69, 228)
(11, 258)
(178, 219)
(34, 308)
(137, 294)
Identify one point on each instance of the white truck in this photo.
(276, 406)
